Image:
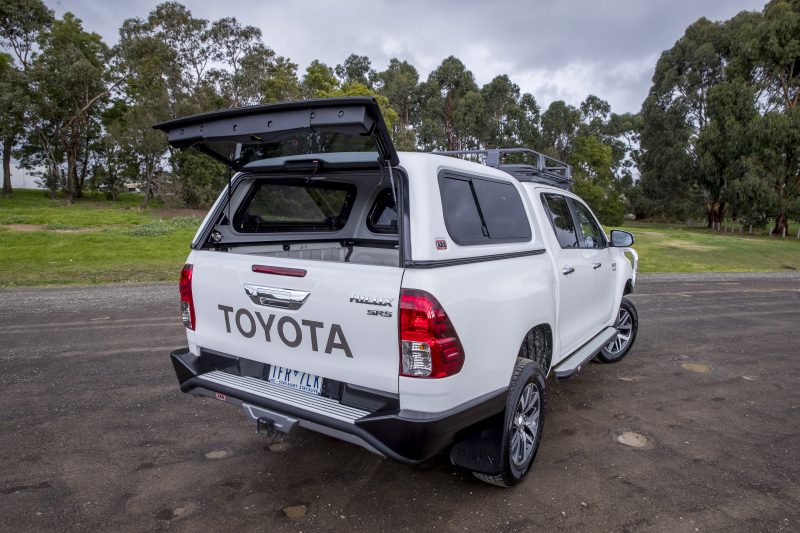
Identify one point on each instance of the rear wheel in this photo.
(627, 325)
(523, 421)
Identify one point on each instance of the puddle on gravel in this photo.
(217, 454)
(751, 378)
(700, 368)
(632, 439)
(295, 511)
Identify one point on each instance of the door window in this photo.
(591, 234)
(561, 220)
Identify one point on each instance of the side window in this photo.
(561, 218)
(382, 217)
(482, 211)
(592, 236)
(461, 215)
(502, 210)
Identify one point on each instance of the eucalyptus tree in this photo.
(399, 83)
(451, 108)
(21, 22)
(280, 81)
(501, 100)
(776, 41)
(356, 69)
(244, 60)
(725, 146)
(560, 126)
(70, 85)
(318, 80)
(683, 78)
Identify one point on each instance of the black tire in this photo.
(627, 321)
(527, 376)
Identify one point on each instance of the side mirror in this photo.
(621, 239)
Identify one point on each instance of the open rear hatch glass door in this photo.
(242, 135)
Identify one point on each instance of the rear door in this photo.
(241, 135)
(333, 320)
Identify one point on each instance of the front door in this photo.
(581, 259)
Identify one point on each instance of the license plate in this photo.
(295, 379)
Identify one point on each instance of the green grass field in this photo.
(50, 242)
(677, 248)
(46, 242)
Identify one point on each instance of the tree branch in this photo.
(91, 102)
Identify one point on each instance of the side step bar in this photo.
(572, 364)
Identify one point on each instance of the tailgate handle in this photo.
(276, 297)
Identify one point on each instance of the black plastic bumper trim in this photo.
(404, 436)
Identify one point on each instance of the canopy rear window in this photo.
(294, 206)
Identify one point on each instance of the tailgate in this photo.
(339, 321)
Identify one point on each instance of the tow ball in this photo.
(266, 427)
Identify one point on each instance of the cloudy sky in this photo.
(554, 49)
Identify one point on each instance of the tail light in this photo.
(187, 304)
(430, 347)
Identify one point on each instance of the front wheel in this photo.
(523, 421)
(627, 325)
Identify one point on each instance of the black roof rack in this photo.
(546, 170)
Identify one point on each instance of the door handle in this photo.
(567, 270)
(276, 297)
(596, 265)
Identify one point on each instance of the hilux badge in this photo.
(371, 300)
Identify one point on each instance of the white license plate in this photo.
(295, 379)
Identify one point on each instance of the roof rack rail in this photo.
(546, 170)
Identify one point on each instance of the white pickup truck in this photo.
(409, 303)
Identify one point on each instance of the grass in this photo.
(50, 242)
(678, 248)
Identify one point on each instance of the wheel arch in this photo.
(537, 345)
(628, 287)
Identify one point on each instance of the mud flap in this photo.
(481, 449)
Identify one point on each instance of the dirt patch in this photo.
(217, 454)
(657, 234)
(27, 228)
(633, 439)
(692, 246)
(700, 368)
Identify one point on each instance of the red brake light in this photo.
(279, 271)
(187, 304)
(429, 344)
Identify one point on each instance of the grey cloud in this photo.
(552, 49)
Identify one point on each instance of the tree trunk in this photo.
(781, 224)
(8, 142)
(148, 174)
(71, 181)
(715, 212)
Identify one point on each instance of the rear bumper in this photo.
(405, 436)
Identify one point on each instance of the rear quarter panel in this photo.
(492, 305)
